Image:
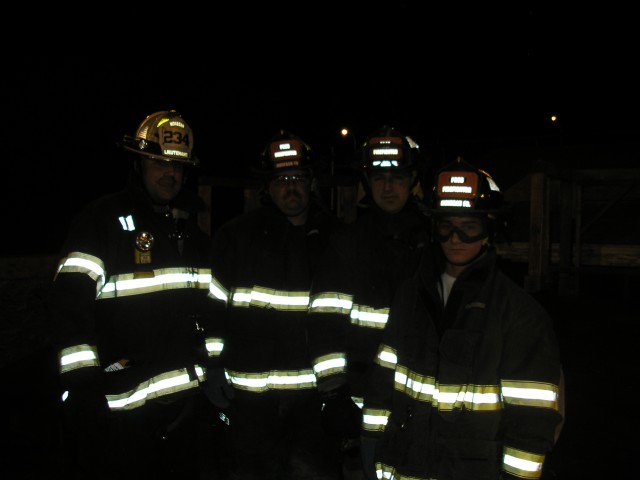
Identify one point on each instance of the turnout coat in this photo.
(469, 391)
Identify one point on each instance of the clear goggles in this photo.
(469, 229)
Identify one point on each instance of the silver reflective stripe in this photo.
(375, 420)
(386, 357)
(331, 302)
(530, 394)
(157, 386)
(270, 298)
(364, 316)
(155, 281)
(273, 380)
(78, 262)
(127, 223)
(78, 356)
(217, 291)
(522, 464)
(214, 346)
(330, 364)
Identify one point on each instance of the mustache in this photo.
(167, 181)
(293, 194)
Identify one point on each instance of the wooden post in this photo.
(538, 234)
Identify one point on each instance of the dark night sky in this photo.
(458, 84)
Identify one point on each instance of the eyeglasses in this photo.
(282, 180)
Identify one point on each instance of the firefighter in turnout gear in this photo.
(129, 304)
(467, 377)
(265, 257)
(353, 287)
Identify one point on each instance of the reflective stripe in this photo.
(77, 262)
(364, 316)
(155, 281)
(217, 291)
(522, 464)
(127, 223)
(270, 298)
(375, 420)
(331, 302)
(273, 380)
(214, 346)
(386, 357)
(78, 356)
(330, 364)
(530, 394)
(158, 386)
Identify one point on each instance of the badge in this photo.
(144, 243)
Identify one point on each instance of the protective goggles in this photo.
(469, 230)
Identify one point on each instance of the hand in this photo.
(341, 417)
(217, 388)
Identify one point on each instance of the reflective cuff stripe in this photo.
(78, 262)
(386, 357)
(331, 364)
(331, 302)
(214, 346)
(158, 386)
(270, 298)
(522, 464)
(375, 420)
(78, 356)
(530, 394)
(364, 316)
(273, 380)
(155, 281)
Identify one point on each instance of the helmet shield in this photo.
(285, 151)
(389, 149)
(461, 189)
(163, 135)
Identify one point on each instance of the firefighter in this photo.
(129, 303)
(265, 257)
(467, 376)
(352, 290)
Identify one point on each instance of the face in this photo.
(162, 179)
(390, 190)
(461, 238)
(291, 191)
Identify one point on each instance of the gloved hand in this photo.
(217, 388)
(341, 417)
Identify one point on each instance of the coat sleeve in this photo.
(531, 377)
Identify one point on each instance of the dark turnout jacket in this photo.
(352, 291)
(469, 391)
(129, 297)
(265, 262)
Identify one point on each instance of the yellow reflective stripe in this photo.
(473, 397)
(387, 357)
(157, 386)
(214, 346)
(530, 394)
(330, 364)
(217, 290)
(375, 420)
(364, 316)
(414, 385)
(331, 302)
(273, 380)
(270, 298)
(78, 356)
(78, 262)
(522, 464)
(155, 281)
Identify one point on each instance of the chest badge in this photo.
(144, 244)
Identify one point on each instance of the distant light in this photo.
(344, 132)
(554, 118)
